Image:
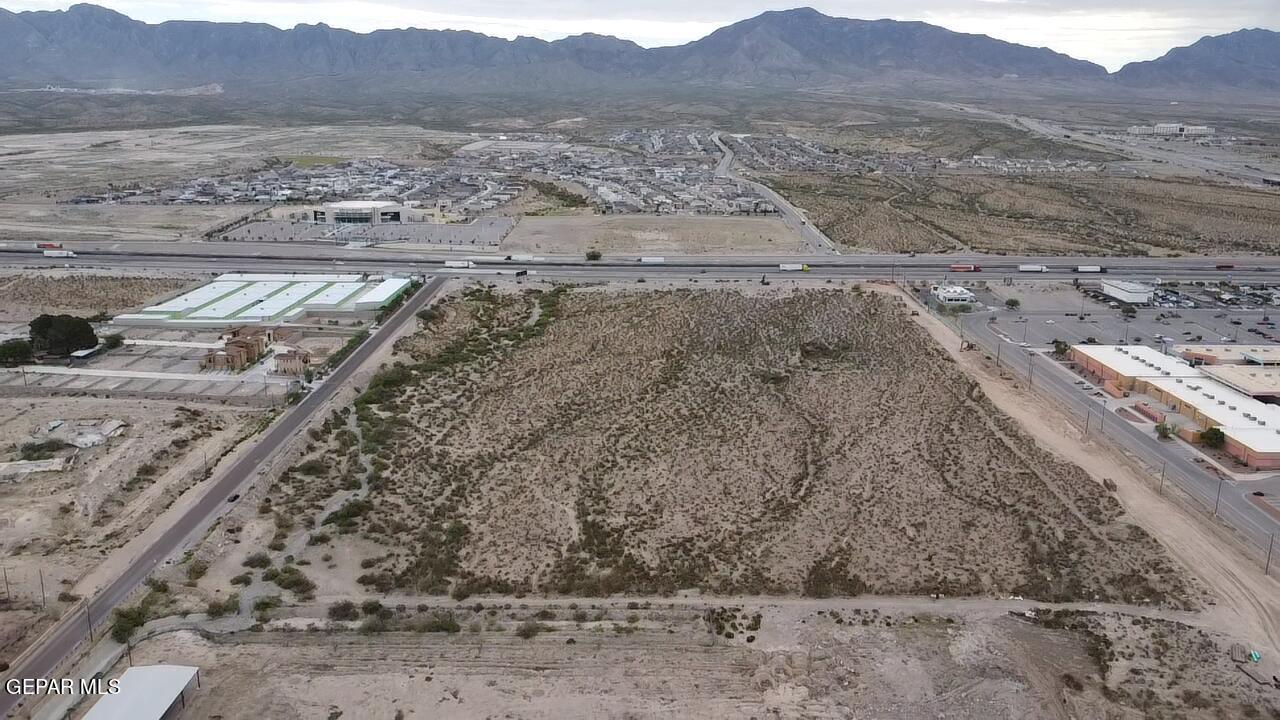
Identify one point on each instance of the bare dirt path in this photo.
(1249, 602)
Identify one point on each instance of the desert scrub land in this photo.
(29, 295)
(1047, 215)
(587, 442)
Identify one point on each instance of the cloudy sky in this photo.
(1105, 31)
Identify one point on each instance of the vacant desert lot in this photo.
(655, 235)
(32, 221)
(591, 442)
(65, 523)
(818, 659)
(64, 163)
(29, 294)
(1038, 214)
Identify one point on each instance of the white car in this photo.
(1050, 322)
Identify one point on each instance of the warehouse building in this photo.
(1131, 293)
(1252, 427)
(270, 299)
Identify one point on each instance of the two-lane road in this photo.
(44, 660)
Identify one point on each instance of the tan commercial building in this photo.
(1234, 354)
(1257, 381)
(1251, 427)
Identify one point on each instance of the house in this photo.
(293, 362)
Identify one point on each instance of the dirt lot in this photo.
(944, 137)
(658, 660)
(656, 235)
(591, 442)
(62, 164)
(30, 221)
(30, 294)
(1037, 214)
(64, 523)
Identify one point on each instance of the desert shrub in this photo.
(257, 560)
(344, 610)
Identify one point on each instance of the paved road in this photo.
(1236, 506)
(793, 216)
(68, 633)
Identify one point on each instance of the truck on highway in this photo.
(1033, 268)
(966, 267)
(1224, 266)
(48, 246)
(459, 264)
(1089, 269)
(59, 254)
(653, 260)
(793, 267)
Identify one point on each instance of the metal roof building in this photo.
(147, 692)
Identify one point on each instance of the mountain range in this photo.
(89, 46)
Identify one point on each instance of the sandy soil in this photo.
(656, 235)
(61, 164)
(592, 442)
(29, 221)
(30, 294)
(63, 524)
(813, 659)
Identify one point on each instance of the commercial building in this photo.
(1256, 381)
(266, 299)
(292, 362)
(1234, 354)
(361, 212)
(952, 295)
(1173, 130)
(1131, 293)
(1251, 427)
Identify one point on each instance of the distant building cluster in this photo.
(990, 164)
(1173, 130)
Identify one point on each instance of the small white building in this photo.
(1124, 291)
(953, 295)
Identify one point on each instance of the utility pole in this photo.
(7, 596)
(1030, 356)
(88, 618)
(1102, 417)
(1270, 547)
(999, 347)
(42, 603)
(1163, 465)
(1218, 502)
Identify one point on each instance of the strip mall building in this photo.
(1251, 427)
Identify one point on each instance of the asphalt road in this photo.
(1235, 506)
(71, 630)
(791, 215)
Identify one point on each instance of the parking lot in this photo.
(1060, 312)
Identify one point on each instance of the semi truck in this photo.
(1033, 268)
(459, 264)
(793, 267)
(966, 267)
(1089, 269)
(48, 246)
(59, 254)
(653, 260)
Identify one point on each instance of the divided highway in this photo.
(44, 659)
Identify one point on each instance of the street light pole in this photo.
(1218, 502)
(1163, 465)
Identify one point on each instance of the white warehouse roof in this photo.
(385, 291)
(146, 693)
(1138, 361)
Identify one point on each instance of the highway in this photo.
(63, 638)
(1235, 507)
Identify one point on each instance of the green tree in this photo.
(1213, 437)
(1129, 311)
(1013, 303)
(62, 334)
(594, 255)
(1165, 431)
(1060, 348)
(15, 351)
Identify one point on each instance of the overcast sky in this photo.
(1107, 32)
